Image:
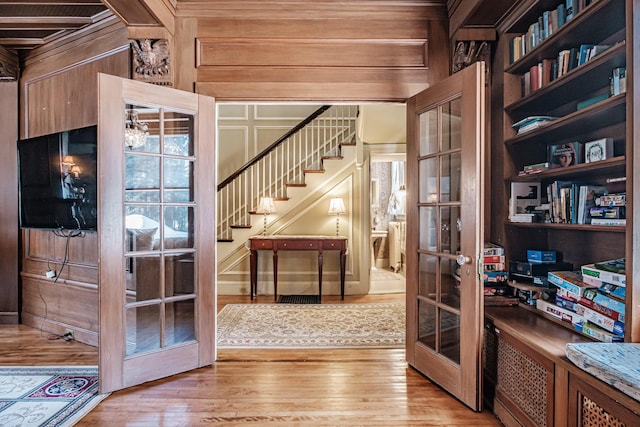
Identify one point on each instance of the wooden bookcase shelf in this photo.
(602, 22)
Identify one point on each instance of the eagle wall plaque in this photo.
(150, 61)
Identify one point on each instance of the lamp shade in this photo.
(336, 206)
(266, 206)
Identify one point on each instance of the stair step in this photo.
(349, 144)
(313, 171)
(240, 226)
(225, 240)
(332, 157)
(295, 184)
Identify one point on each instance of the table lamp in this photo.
(336, 207)
(266, 207)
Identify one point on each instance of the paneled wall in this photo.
(59, 92)
(307, 50)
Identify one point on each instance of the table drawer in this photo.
(299, 245)
(261, 244)
(334, 244)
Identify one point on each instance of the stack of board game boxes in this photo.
(592, 299)
(530, 278)
(495, 277)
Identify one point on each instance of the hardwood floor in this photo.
(372, 387)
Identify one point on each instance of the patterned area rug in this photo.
(288, 326)
(47, 395)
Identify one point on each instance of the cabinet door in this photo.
(445, 229)
(156, 279)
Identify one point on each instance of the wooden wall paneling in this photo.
(309, 55)
(55, 307)
(9, 239)
(67, 100)
(59, 87)
(184, 54)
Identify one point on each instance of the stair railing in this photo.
(283, 163)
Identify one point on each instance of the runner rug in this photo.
(48, 396)
(289, 326)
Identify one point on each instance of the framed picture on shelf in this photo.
(565, 155)
(599, 149)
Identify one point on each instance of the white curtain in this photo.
(397, 198)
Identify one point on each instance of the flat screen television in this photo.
(57, 180)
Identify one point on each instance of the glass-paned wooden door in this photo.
(445, 152)
(157, 286)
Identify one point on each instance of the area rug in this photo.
(298, 299)
(290, 326)
(48, 396)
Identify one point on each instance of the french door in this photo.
(156, 167)
(445, 230)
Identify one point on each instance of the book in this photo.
(558, 312)
(531, 122)
(615, 278)
(614, 265)
(495, 266)
(590, 101)
(587, 199)
(564, 155)
(525, 196)
(619, 199)
(569, 280)
(609, 222)
(604, 300)
(493, 259)
(602, 321)
(615, 212)
(596, 332)
(605, 311)
(491, 249)
(599, 149)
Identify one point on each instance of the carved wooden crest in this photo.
(467, 52)
(150, 61)
(8, 71)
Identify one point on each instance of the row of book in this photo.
(546, 25)
(572, 202)
(592, 299)
(550, 69)
(567, 202)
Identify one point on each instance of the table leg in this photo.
(320, 259)
(253, 262)
(343, 263)
(275, 275)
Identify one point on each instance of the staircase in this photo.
(282, 166)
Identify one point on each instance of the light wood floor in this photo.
(372, 387)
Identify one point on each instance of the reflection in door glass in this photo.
(426, 324)
(451, 130)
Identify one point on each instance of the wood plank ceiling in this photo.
(27, 24)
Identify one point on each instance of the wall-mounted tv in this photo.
(57, 180)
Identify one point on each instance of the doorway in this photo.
(388, 223)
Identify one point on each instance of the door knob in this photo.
(461, 260)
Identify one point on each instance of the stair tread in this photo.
(240, 226)
(314, 171)
(331, 157)
(295, 184)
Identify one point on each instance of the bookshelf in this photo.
(602, 22)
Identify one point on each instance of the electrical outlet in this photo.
(68, 335)
(50, 274)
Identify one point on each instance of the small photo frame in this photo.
(599, 149)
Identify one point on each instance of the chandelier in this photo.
(135, 132)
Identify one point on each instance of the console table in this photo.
(277, 243)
